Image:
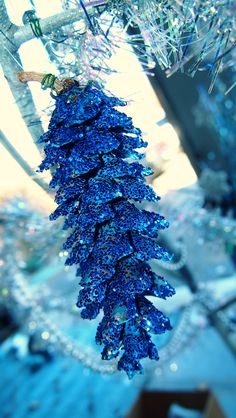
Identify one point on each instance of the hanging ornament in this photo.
(90, 147)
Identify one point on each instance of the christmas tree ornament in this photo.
(90, 147)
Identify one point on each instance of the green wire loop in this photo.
(36, 28)
(48, 81)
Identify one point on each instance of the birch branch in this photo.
(5, 21)
(48, 25)
(22, 94)
(11, 40)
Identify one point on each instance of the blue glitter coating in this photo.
(161, 288)
(113, 120)
(116, 167)
(95, 142)
(111, 248)
(74, 189)
(91, 311)
(91, 294)
(79, 253)
(129, 217)
(93, 271)
(128, 143)
(92, 214)
(62, 136)
(111, 240)
(64, 209)
(134, 189)
(146, 248)
(101, 191)
(152, 320)
(53, 156)
(81, 236)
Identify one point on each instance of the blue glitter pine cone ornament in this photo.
(90, 147)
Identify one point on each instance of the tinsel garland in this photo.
(179, 35)
(90, 148)
(198, 32)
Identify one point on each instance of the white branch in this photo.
(5, 22)
(21, 94)
(48, 25)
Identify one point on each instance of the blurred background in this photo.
(50, 365)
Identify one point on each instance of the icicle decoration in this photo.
(91, 148)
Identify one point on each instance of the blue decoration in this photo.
(90, 146)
